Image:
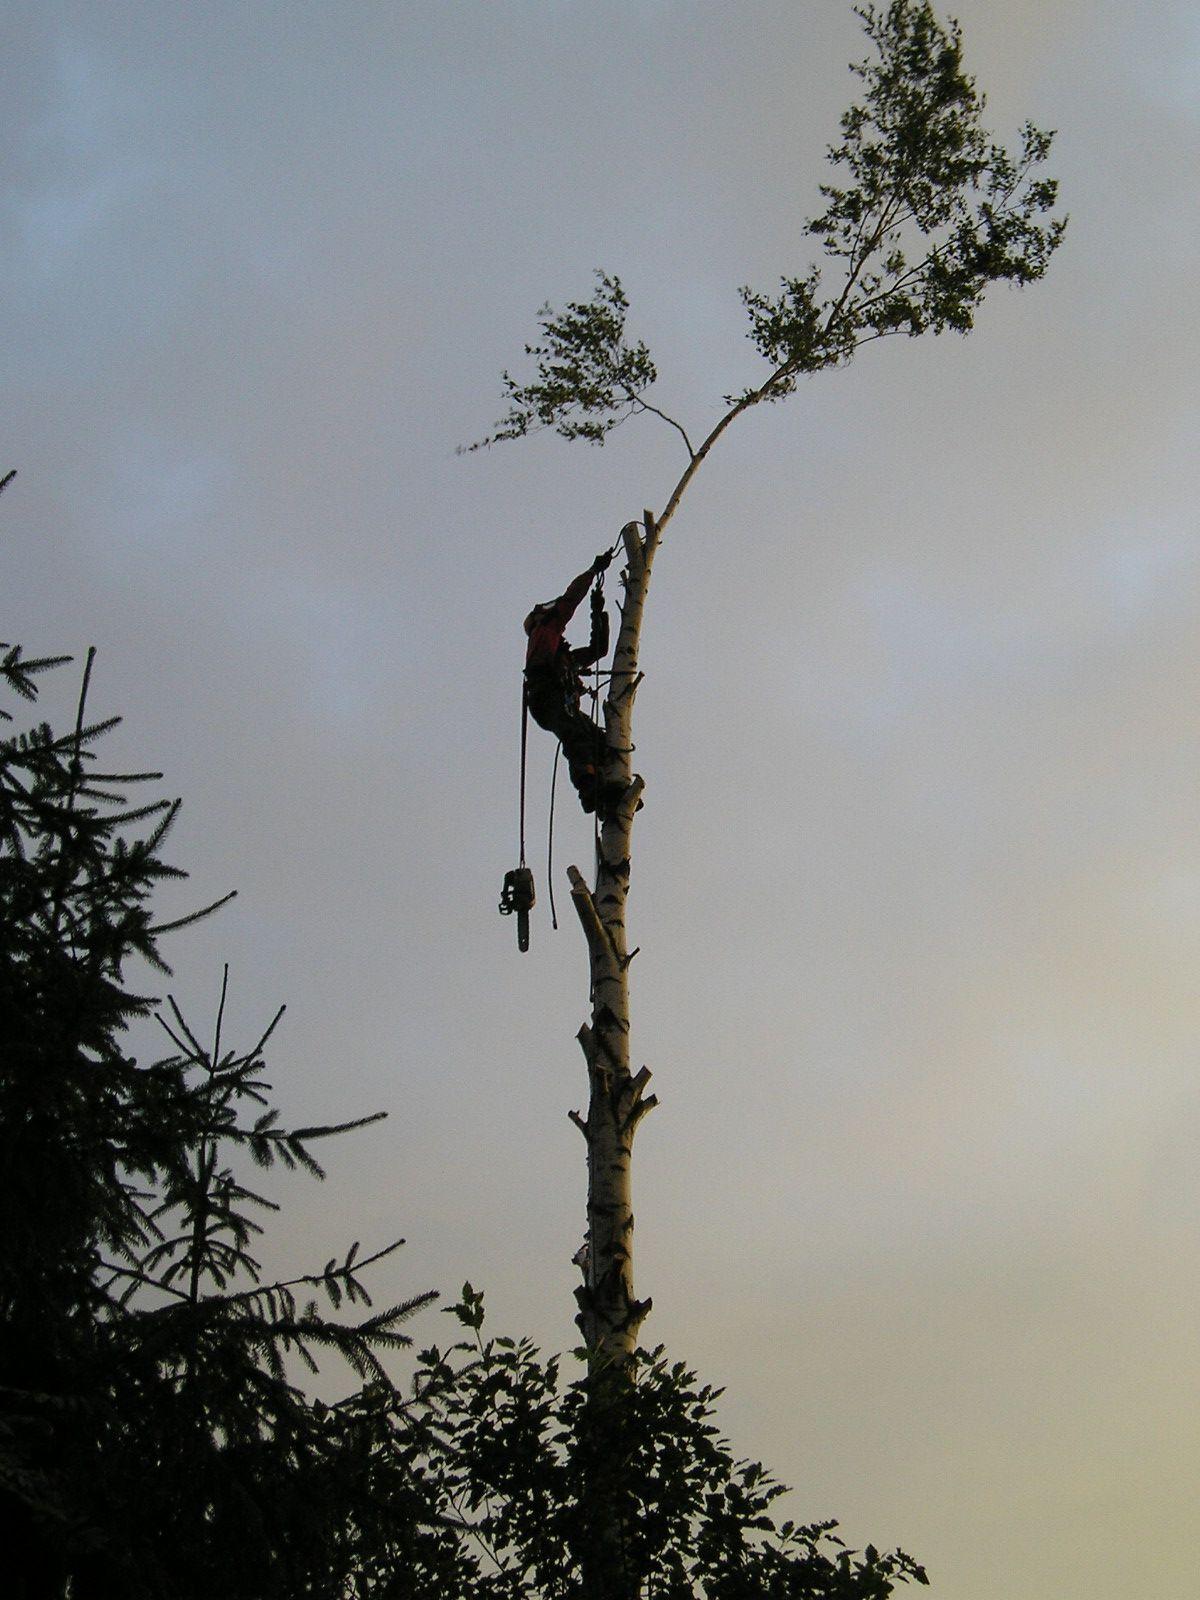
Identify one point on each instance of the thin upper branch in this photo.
(645, 405)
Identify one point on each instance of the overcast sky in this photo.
(918, 876)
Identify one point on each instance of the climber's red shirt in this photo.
(546, 635)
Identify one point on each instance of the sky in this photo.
(917, 882)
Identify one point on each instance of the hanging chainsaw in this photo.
(518, 895)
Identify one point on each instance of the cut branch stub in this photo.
(599, 939)
(585, 908)
(632, 1107)
(633, 547)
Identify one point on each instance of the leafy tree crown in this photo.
(924, 212)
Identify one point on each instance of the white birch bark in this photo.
(610, 1314)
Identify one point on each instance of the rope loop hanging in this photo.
(550, 840)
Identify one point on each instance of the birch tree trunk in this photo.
(610, 1314)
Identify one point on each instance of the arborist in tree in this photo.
(553, 687)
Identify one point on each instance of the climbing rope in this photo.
(597, 589)
(524, 744)
(550, 839)
(518, 893)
